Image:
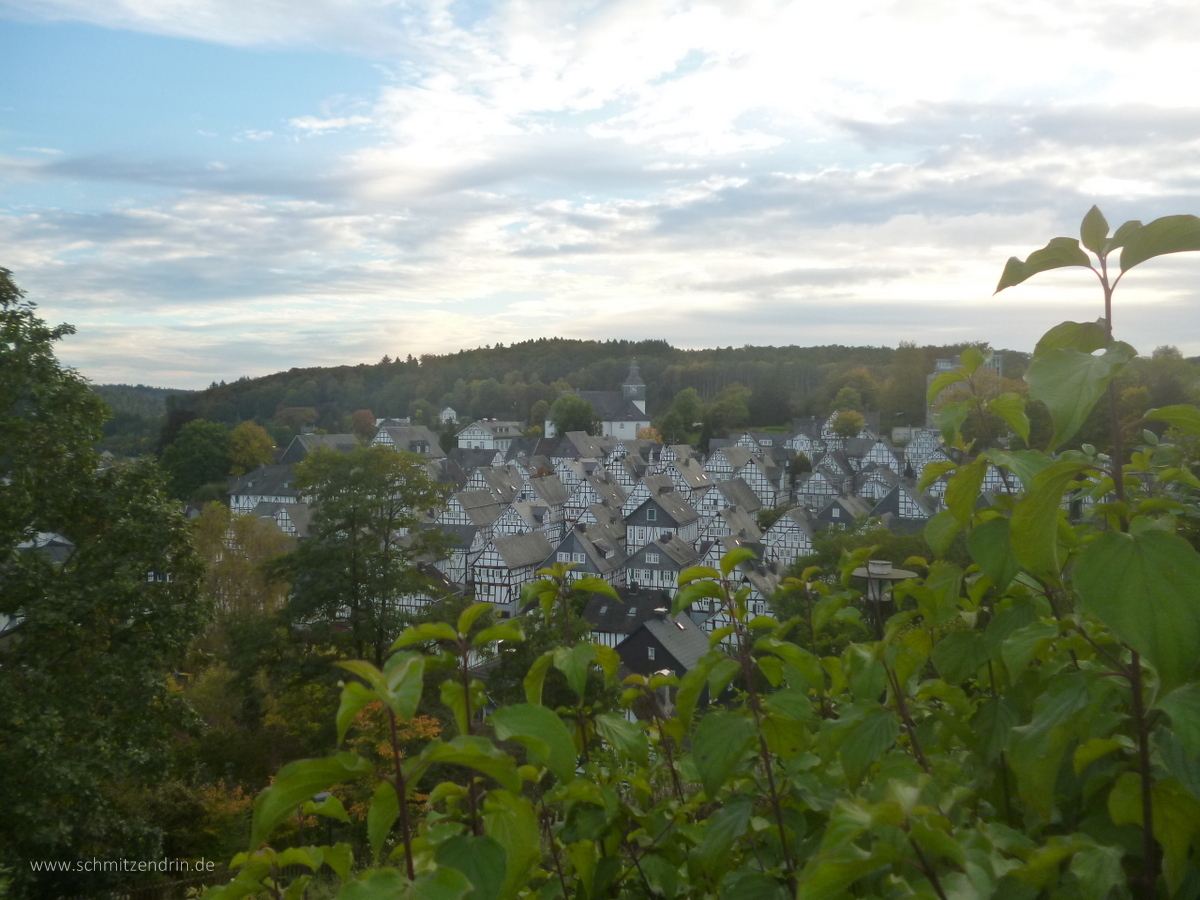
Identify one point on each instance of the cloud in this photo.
(706, 173)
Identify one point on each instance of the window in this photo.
(650, 653)
(603, 610)
(652, 559)
(837, 513)
(563, 557)
(579, 557)
(651, 515)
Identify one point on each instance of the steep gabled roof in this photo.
(738, 493)
(304, 444)
(266, 481)
(613, 406)
(636, 605)
(482, 508)
(503, 481)
(681, 637)
(520, 550)
(413, 439)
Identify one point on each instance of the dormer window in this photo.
(651, 515)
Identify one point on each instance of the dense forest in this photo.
(518, 382)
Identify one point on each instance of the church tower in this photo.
(634, 388)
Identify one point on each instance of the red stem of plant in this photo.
(402, 796)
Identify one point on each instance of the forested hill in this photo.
(506, 382)
(136, 399)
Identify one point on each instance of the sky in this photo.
(209, 189)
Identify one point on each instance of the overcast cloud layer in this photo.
(315, 182)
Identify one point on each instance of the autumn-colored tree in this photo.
(848, 424)
(649, 433)
(848, 398)
(249, 447)
(236, 547)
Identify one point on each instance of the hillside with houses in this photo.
(631, 511)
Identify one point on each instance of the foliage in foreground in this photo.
(1026, 725)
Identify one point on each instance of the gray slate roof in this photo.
(613, 406)
(267, 481)
(738, 493)
(521, 550)
(304, 444)
(681, 637)
(624, 617)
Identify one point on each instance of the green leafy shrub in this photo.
(1028, 725)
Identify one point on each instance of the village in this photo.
(632, 511)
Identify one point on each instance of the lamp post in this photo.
(880, 574)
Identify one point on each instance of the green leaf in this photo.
(875, 733)
(1183, 706)
(512, 822)
(940, 532)
(382, 815)
(404, 673)
(506, 631)
(1184, 418)
(719, 745)
(949, 418)
(354, 697)
(993, 722)
(734, 558)
(1175, 820)
(481, 859)
(1011, 408)
(940, 382)
(476, 753)
(1086, 337)
(1022, 463)
(1122, 235)
(1060, 252)
(298, 782)
(380, 884)
(595, 585)
(340, 858)
(429, 631)
(1099, 870)
(1018, 648)
(728, 823)
(962, 489)
(1144, 587)
(542, 731)
(990, 547)
(536, 677)
(972, 358)
(1033, 531)
(1093, 232)
(933, 471)
(697, 590)
(468, 616)
(719, 677)
(444, 884)
(1070, 382)
(695, 573)
(748, 884)
(959, 655)
(624, 735)
(574, 662)
(1170, 234)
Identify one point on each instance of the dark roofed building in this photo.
(663, 642)
(304, 444)
(612, 620)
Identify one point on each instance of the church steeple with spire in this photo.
(634, 388)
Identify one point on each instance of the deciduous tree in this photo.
(87, 636)
(361, 559)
